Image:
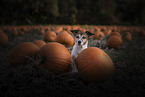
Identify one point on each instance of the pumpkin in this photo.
(3, 39)
(58, 29)
(39, 43)
(22, 33)
(114, 42)
(50, 36)
(94, 65)
(116, 33)
(42, 32)
(107, 32)
(15, 32)
(98, 35)
(127, 37)
(103, 29)
(65, 38)
(21, 52)
(55, 57)
(67, 28)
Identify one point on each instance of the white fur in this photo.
(75, 52)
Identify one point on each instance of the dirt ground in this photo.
(25, 81)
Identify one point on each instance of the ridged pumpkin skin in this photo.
(94, 65)
(50, 36)
(114, 42)
(116, 33)
(56, 58)
(39, 43)
(3, 39)
(27, 49)
(65, 38)
(98, 35)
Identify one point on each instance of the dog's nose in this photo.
(79, 41)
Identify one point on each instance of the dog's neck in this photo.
(79, 48)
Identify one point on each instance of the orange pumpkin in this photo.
(114, 42)
(22, 33)
(94, 65)
(127, 37)
(15, 32)
(98, 35)
(20, 53)
(55, 57)
(50, 36)
(3, 39)
(58, 29)
(42, 32)
(116, 33)
(39, 43)
(103, 29)
(65, 38)
(107, 32)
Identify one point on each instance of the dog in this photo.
(81, 43)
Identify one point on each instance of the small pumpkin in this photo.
(39, 43)
(128, 37)
(98, 35)
(114, 41)
(20, 53)
(94, 65)
(15, 32)
(107, 32)
(50, 36)
(55, 57)
(42, 32)
(3, 39)
(65, 38)
(116, 33)
(22, 33)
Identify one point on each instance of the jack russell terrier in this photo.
(81, 43)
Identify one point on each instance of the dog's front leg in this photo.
(74, 68)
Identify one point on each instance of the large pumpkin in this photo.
(21, 52)
(3, 39)
(39, 43)
(55, 57)
(50, 36)
(65, 38)
(94, 65)
(114, 42)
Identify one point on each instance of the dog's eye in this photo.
(84, 37)
(77, 36)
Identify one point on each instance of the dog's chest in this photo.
(77, 49)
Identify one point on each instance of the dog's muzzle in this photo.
(79, 42)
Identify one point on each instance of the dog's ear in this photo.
(89, 34)
(74, 31)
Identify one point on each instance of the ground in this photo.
(127, 81)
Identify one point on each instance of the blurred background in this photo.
(96, 12)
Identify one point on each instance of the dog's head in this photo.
(81, 38)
